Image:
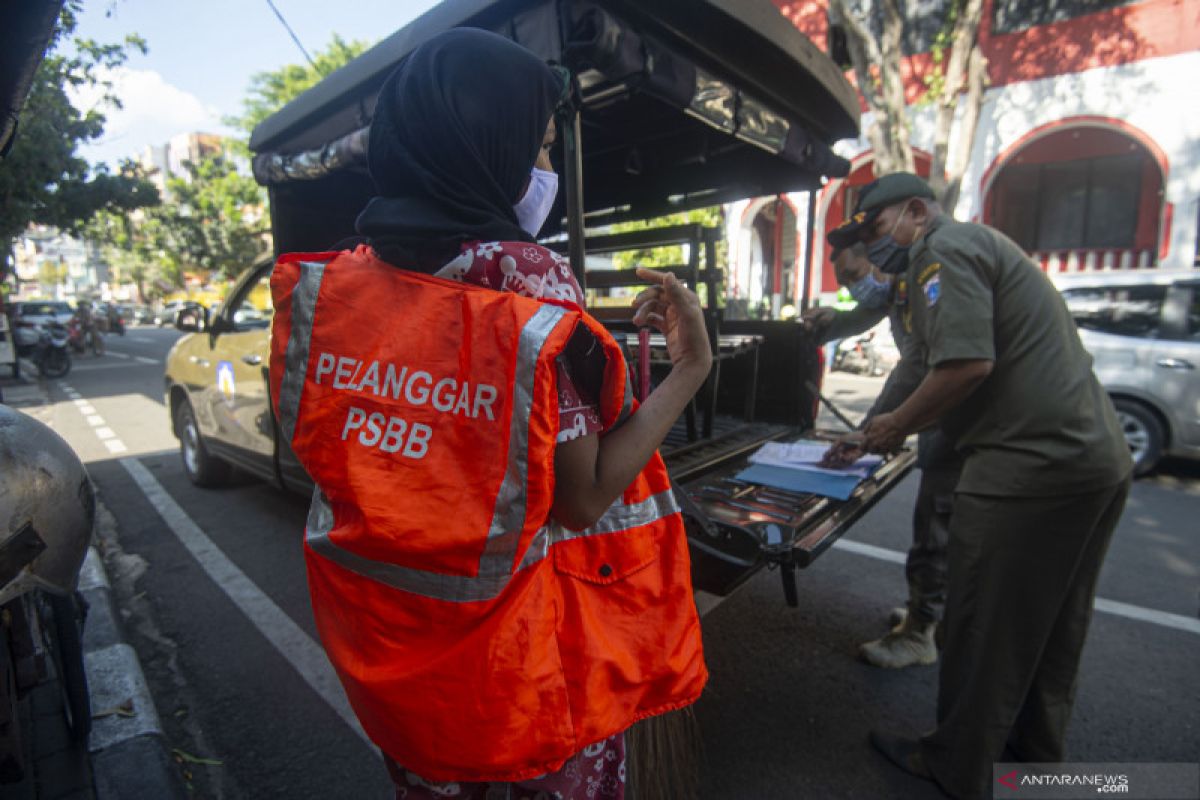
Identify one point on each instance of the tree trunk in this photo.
(965, 65)
(976, 78)
(877, 70)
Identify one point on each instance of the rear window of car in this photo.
(30, 309)
(1121, 310)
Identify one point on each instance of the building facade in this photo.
(1087, 151)
(52, 264)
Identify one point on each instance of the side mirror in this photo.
(191, 320)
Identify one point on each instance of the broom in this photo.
(662, 753)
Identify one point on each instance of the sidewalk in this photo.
(127, 756)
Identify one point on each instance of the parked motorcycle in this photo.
(45, 345)
(47, 505)
(82, 339)
(858, 355)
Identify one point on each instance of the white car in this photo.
(1142, 327)
(42, 311)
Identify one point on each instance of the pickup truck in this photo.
(679, 106)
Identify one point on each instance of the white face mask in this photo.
(535, 206)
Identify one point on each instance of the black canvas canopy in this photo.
(683, 103)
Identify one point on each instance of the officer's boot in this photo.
(909, 643)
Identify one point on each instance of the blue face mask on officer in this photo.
(870, 292)
(886, 253)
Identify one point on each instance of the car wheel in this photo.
(202, 468)
(1143, 433)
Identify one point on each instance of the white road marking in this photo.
(115, 354)
(882, 553)
(77, 399)
(106, 435)
(1167, 620)
(140, 340)
(305, 655)
(1139, 613)
(144, 360)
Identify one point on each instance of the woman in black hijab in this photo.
(459, 153)
(455, 133)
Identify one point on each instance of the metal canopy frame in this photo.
(679, 105)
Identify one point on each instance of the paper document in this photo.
(805, 454)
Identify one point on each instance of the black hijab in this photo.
(455, 134)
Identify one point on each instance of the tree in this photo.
(876, 63)
(215, 219)
(272, 90)
(965, 65)
(672, 255)
(958, 65)
(43, 179)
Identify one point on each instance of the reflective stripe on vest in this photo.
(304, 303)
(466, 589)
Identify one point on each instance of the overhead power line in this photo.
(292, 33)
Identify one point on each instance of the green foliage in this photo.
(215, 220)
(43, 179)
(212, 222)
(671, 256)
(50, 274)
(939, 50)
(272, 90)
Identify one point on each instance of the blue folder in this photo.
(839, 487)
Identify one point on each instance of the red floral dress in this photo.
(532, 271)
(598, 771)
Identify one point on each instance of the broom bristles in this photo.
(662, 757)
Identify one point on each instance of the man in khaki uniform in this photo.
(1045, 475)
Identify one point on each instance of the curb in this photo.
(130, 756)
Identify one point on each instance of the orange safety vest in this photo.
(477, 639)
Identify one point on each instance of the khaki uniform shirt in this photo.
(1040, 424)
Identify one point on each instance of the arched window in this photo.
(1081, 190)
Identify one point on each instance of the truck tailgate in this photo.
(736, 528)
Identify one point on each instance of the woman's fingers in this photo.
(650, 314)
(653, 276)
(647, 295)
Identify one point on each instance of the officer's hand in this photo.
(844, 452)
(883, 435)
(817, 320)
(675, 311)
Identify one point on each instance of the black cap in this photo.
(876, 196)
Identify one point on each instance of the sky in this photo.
(202, 55)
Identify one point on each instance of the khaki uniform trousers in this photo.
(1022, 580)
(925, 566)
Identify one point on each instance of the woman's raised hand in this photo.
(675, 311)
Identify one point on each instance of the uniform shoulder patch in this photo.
(933, 290)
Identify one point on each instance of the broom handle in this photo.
(643, 364)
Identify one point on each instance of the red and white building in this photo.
(1087, 151)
